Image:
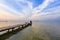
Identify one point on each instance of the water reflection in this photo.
(34, 32)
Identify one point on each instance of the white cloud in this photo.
(29, 12)
(5, 7)
(6, 16)
(10, 9)
(50, 14)
(41, 7)
(37, 13)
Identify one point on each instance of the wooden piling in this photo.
(19, 26)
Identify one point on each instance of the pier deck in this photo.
(21, 26)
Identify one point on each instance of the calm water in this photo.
(38, 31)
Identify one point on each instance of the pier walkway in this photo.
(19, 26)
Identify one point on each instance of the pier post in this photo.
(22, 26)
(19, 27)
(30, 22)
(12, 29)
(8, 30)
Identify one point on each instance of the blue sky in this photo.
(29, 9)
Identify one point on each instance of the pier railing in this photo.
(20, 26)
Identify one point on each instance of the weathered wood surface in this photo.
(15, 26)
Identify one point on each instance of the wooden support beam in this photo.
(8, 30)
(20, 26)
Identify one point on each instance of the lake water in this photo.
(38, 31)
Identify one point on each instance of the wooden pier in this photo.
(11, 30)
(19, 26)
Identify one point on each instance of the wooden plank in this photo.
(14, 26)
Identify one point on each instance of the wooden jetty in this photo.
(20, 26)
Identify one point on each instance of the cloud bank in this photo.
(30, 9)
